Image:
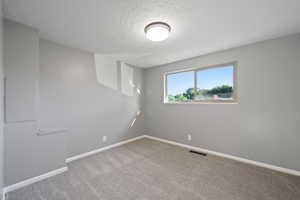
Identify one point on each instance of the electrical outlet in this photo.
(189, 137)
(104, 138)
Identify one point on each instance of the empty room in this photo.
(149, 100)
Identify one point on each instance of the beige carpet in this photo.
(147, 169)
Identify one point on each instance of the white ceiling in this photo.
(116, 27)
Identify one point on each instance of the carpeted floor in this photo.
(147, 169)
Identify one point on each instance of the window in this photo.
(207, 84)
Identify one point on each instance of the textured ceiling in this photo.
(115, 27)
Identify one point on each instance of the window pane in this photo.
(180, 87)
(215, 84)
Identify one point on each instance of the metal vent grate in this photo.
(197, 152)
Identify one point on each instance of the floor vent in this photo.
(197, 152)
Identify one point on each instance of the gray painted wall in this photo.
(72, 98)
(36, 154)
(263, 126)
(21, 72)
(61, 91)
(1, 100)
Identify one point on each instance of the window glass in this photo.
(215, 84)
(212, 84)
(180, 87)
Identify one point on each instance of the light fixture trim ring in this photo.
(157, 24)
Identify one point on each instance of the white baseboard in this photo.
(251, 162)
(64, 169)
(83, 155)
(30, 181)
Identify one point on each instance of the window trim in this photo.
(195, 70)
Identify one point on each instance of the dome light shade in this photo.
(157, 31)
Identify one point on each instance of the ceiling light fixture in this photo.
(157, 31)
